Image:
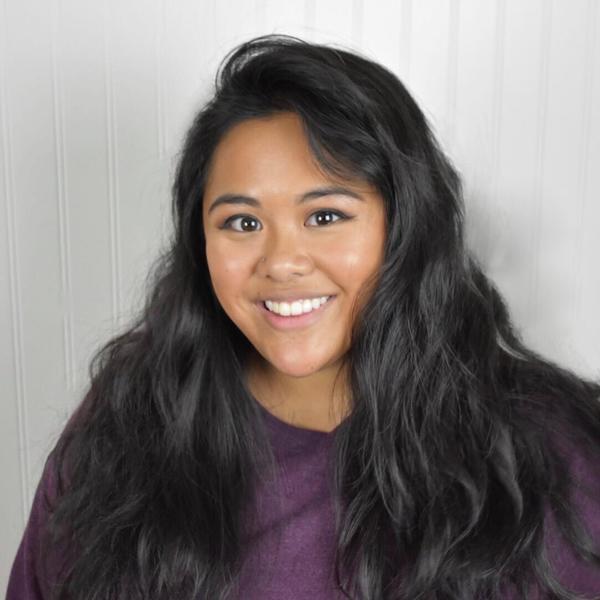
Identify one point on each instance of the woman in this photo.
(323, 396)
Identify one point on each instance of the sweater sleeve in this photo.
(35, 566)
(572, 570)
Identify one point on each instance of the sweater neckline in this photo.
(281, 426)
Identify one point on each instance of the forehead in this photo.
(262, 148)
(266, 155)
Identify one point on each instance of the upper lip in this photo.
(292, 297)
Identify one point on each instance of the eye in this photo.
(247, 219)
(327, 221)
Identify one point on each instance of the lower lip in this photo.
(294, 321)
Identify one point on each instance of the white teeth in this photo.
(297, 307)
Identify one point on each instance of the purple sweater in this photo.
(290, 549)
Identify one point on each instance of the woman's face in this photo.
(263, 242)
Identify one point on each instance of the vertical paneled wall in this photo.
(95, 98)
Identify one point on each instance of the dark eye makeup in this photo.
(341, 217)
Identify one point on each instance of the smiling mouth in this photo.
(314, 304)
(294, 321)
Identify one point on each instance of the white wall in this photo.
(95, 96)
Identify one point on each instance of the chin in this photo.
(295, 363)
(294, 368)
(304, 368)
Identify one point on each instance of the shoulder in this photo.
(583, 468)
(38, 562)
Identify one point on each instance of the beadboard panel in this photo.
(95, 98)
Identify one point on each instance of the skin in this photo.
(283, 246)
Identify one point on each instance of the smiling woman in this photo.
(324, 396)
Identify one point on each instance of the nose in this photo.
(284, 256)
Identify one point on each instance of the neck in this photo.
(319, 401)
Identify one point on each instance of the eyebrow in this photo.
(306, 197)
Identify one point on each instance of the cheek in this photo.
(355, 259)
(228, 271)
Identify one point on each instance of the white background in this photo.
(95, 97)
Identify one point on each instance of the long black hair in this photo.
(452, 457)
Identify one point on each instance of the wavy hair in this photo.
(450, 460)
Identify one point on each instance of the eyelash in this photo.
(342, 217)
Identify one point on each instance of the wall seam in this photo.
(62, 206)
(112, 171)
(14, 280)
(497, 102)
(310, 19)
(540, 150)
(357, 21)
(161, 121)
(452, 70)
(591, 51)
(406, 40)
